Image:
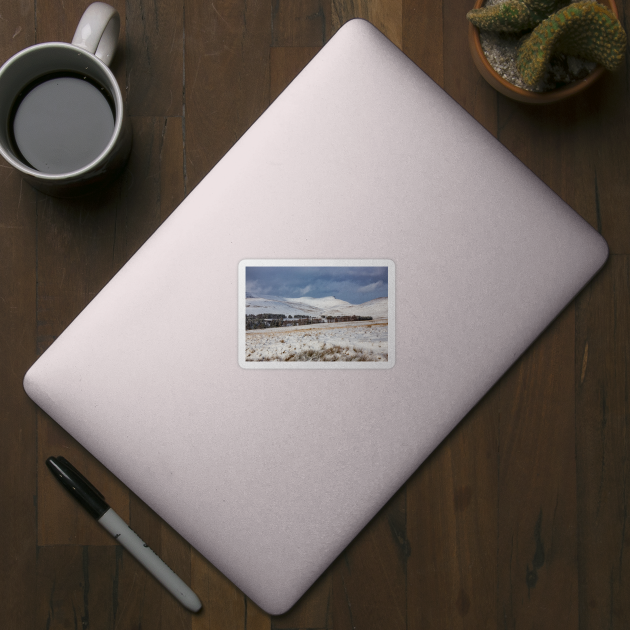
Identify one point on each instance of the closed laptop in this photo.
(317, 315)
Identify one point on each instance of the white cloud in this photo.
(252, 286)
(305, 290)
(370, 287)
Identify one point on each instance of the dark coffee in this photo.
(61, 123)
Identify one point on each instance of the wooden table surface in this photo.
(518, 520)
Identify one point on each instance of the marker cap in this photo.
(78, 486)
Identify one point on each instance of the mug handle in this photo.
(98, 30)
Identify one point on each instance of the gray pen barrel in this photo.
(149, 559)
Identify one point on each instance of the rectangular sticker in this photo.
(316, 314)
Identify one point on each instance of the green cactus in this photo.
(584, 29)
(513, 16)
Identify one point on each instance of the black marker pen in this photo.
(94, 502)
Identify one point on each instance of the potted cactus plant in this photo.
(585, 38)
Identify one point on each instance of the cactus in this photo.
(584, 29)
(513, 16)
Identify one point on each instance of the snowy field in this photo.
(345, 341)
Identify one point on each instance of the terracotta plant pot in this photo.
(519, 94)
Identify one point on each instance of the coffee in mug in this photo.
(65, 128)
(61, 122)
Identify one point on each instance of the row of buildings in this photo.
(258, 321)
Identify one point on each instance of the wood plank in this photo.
(300, 22)
(369, 577)
(226, 78)
(452, 527)
(537, 537)
(608, 127)
(386, 15)
(57, 23)
(17, 28)
(154, 57)
(285, 64)
(603, 468)
(18, 423)
(423, 36)
(76, 587)
(461, 78)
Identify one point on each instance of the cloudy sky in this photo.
(352, 284)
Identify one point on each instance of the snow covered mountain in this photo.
(373, 308)
(314, 307)
(321, 303)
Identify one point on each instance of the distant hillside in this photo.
(322, 303)
(314, 307)
(373, 308)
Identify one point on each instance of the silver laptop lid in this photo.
(365, 163)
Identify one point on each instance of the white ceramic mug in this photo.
(88, 57)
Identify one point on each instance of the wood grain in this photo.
(226, 78)
(300, 22)
(602, 380)
(422, 36)
(452, 515)
(154, 57)
(18, 416)
(76, 587)
(461, 79)
(609, 134)
(537, 510)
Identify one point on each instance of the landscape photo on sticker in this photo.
(305, 314)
